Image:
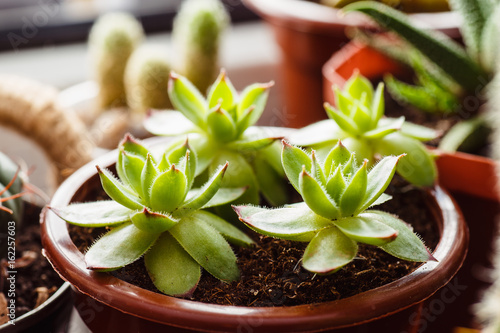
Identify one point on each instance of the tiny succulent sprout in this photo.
(335, 214)
(220, 128)
(358, 120)
(12, 187)
(155, 212)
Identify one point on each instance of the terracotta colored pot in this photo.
(461, 172)
(106, 303)
(308, 34)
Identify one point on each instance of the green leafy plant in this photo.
(155, 212)
(334, 216)
(446, 71)
(220, 129)
(403, 5)
(11, 189)
(197, 34)
(358, 121)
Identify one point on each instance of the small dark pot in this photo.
(106, 303)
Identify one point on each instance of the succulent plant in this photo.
(11, 189)
(358, 121)
(403, 5)
(196, 33)
(446, 71)
(334, 216)
(146, 79)
(220, 129)
(155, 212)
(112, 40)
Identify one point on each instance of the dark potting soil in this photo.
(35, 280)
(271, 273)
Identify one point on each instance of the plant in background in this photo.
(358, 121)
(334, 216)
(155, 212)
(220, 129)
(146, 79)
(408, 6)
(112, 40)
(444, 69)
(196, 33)
(11, 189)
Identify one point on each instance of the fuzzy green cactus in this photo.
(220, 129)
(112, 40)
(155, 212)
(196, 33)
(146, 79)
(334, 216)
(358, 121)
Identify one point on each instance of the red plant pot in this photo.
(108, 304)
(308, 33)
(461, 172)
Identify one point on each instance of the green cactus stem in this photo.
(197, 33)
(112, 40)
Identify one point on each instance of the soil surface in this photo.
(35, 280)
(271, 273)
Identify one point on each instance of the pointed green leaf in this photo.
(187, 99)
(317, 169)
(119, 247)
(244, 121)
(365, 230)
(418, 132)
(343, 102)
(357, 85)
(378, 104)
(418, 167)
(321, 132)
(117, 191)
(362, 117)
(343, 121)
(168, 190)
(407, 245)
(176, 153)
(223, 196)
(207, 247)
(207, 192)
(388, 128)
(350, 167)
(437, 47)
(254, 97)
(94, 214)
(316, 198)
(339, 155)
(231, 233)
(382, 199)
(131, 145)
(460, 132)
(149, 173)
(221, 125)
(329, 251)
(132, 168)
(169, 123)
(251, 145)
(336, 185)
(298, 223)
(172, 270)
(223, 92)
(379, 178)
(293, 159)
(488, 54)
(153, 222)
(353, 195)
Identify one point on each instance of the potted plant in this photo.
(467, 92)
(106, 301)
(308, 33)
(26, 305)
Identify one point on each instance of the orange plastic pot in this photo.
(106, 303)
(308, 33)
(461, 172)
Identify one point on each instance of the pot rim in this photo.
(312, 17)
(68, 261)
(478, 183)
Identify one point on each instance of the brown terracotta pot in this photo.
(461, 172)
(308, 34)
(108, 304)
